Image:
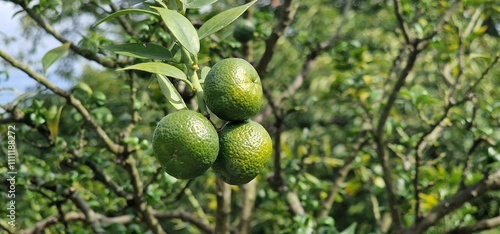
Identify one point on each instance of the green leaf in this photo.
(181, 28)
(222, 20)
(170, 92)
(53, 55)
(124, 12)
(204, 73)
(160, 68)
(53, 118)
(199, 3)
(351, 229)
(140, 50)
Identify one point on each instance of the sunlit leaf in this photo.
(53, 55)
(181, 28)
(351, 229)
(428, 200)
(222, 20)
(160, 68)
(199, 3)
(53, 118)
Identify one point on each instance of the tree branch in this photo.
(491, 182)
(401, 22)
(288, 14)
(139, 200)
(90, 215)
(327, 204)
(5, 226)
(49, 29)
(186, 217)
(123, 22)
(123, 219)
(223, 207)
(101, 176)
(248, 194)
(110, 145)
(477, 227)
(380, 142)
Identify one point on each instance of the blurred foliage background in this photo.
(353, 105)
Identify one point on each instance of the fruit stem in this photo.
(193, 76)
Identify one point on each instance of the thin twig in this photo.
(288, 14)
(468, 161)
(477, 227)
(110, 145)
(489, 183)
(123, 22)
(52, 31)
(401, 22)
(139, 199)
(223, 207)
(327, 204)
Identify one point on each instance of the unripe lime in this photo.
(233, 90)
(245, 148)
(185, 143)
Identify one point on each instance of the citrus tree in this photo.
(378, 117)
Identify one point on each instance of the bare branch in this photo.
(5, 226)
(223, 207)
(483, 75)
(380, 142)
(123, 219)
(468, 161)
(139, 200)
(101, 176)
(123, 22)
(288, 14)
(52, 31)
(186, 217)
(441, 22)
(327, 204)
(477, 227)
(110, 145)
(45, 223)
(294, 203)
(248, 194)
(90, 215)
(401, 22)
(489, 183)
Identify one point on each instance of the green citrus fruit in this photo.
(245, 148)
(233, 90)
(244, 30)
(185, 143)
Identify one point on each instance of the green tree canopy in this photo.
(384, 117)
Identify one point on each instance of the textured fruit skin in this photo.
(233, 90)
(245, 148)
(243, 30)
(185, 143)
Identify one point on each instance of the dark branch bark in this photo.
(223, 207)
(248, 194)
(477, 227)
(186, 217)
(401, 22)
(491, 182)
(123, 219)
(288, 14)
